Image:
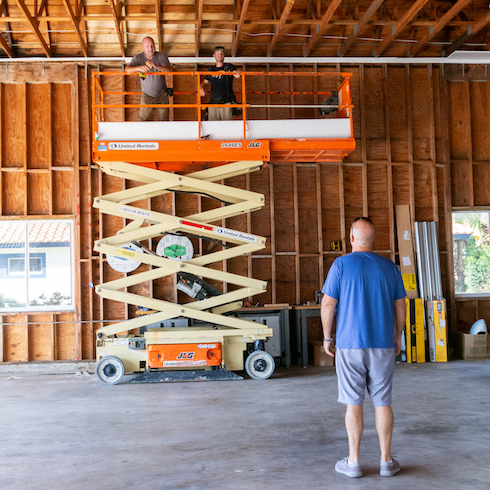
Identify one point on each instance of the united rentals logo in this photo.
(186, 355)
(127, 145)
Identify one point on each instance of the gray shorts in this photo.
(358, 369)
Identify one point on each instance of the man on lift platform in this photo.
(221, 87)
(154, 88)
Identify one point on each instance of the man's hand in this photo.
(237, 74)
(327, 313)
(398, 345)
(329, 346)
(203, 92)
(144, 68)
(400, 316)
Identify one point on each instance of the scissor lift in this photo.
(214, 343)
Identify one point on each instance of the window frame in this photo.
(33, 276)
(471, 295)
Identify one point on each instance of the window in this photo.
(47, 246)
(16, 264)
(471, 249)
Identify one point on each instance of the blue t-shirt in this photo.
(365, 286)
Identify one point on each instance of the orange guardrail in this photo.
(278, 100)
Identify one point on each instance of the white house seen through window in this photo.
(47, 246)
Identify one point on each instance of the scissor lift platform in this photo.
(204, 153)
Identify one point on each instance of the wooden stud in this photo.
(273, 231)
(410, 143)
(319, 213)
(1, 339)
(389, 169)
(26, 319)
(77, 232)
(342, 208)
(365, 210)
(296, 233)
(24, 137)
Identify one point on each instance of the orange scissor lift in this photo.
(200, 339)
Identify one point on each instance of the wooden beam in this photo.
(375, 4)
(6, 42)
(439, 25)
(6, 47)
(199, 8)
(243, 14)
(158, 10)
(327, 16)
(118, 27)
(82, 10)
(400, 25)
(470, 31)
(282, 21)
(33, 24)
(76, 25)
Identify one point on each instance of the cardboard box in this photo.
(406, 250)
(472, 346)
(437, 330)
(415, 330)
(321, 358)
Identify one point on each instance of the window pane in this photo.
(50, 263)
(35, 264)
(13, 282)
(471, 251)
(16, 266)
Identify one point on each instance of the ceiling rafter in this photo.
(199, 9)
(282, 22)
(76, 25)
(359, 27)
(400, 25)
(38, 17)
(6, 47)
(471, 31)
(158, 10)
(274, 9)
(440, 24)
(4, 43)
(118, 26)
(34, 26)
(80, 11)
(243, 14)
(327, 16)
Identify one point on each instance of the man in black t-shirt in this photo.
(221, 87)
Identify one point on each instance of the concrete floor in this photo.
(71, 432)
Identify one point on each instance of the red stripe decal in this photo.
(197, 225)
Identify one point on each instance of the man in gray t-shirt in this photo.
(154, 87)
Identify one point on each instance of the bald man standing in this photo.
(154, 87)
(367, 290)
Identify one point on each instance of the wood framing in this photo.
(421, 139)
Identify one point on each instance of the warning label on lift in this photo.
(184, 363)
(236, 234)
(136, 211)
(141, 145)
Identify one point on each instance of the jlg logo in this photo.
(186, 355)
